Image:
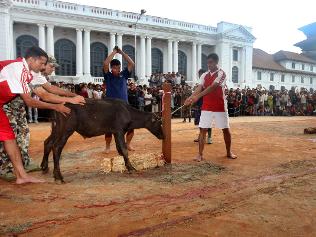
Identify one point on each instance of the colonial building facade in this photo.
(283, 70)
(80, 37)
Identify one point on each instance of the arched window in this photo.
(65, 54)
(204, 62)
(98, 53)
(157, 60)
(182, 63)
(24, 42)
(130, 51)
(235, 74)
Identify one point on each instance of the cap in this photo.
(52, 60)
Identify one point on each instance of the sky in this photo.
(275, 23)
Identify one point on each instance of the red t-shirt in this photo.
(14, 79)
(216, 100)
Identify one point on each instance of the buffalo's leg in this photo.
(122, 149)
(57, 149)
(48, 145)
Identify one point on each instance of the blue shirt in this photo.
(116, 86)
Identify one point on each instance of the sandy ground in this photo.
(270, 190)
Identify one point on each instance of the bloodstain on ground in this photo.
(270, 190)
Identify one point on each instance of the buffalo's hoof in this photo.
(45, 170)
(130, 168)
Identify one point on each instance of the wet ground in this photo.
(270, 190)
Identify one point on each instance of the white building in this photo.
(80, 37)
(283, 70)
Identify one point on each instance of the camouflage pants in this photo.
(15, 110)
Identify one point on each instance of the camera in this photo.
(116, 48)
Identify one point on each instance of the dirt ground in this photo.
(270, 190)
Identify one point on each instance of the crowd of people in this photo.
(240, 102)
(259, 102)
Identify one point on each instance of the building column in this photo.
(119, 43)
(41, 36)
(112, 42)
(142, 57)
(50, 40)
(148, 57)
(86, 52)
(13, 43)
(194, 74)
(175, 56)
(169, 55)
(79, 53)
(199, 56)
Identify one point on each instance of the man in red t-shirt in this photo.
(214, 107)
(15, 76)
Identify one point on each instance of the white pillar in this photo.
(50, 40)
(119, 43)
(5, 41)
(169, 55)
(112, 42)
(175, 56)
(12, 41)
(79, 53)
(194, 74)
(86, 52)
(148, 57)
(199, 56)
(41, 36)
(142, 57)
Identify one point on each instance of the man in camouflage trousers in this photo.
(15, 110)
(186, 110)
(16, 113)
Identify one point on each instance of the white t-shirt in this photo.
(97, 94)
(148, 98)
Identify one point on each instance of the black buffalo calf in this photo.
(96, 118)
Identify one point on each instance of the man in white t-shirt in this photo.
(148, 100)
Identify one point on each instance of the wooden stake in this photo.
(166, 122)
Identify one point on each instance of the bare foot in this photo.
(231, 156)
(198, 158)
(130, 148)
(28, 179)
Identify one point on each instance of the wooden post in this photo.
(166, 122)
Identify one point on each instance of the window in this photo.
(23, 43)
(204, 62)
(302, 80)
(259, 76)
(282, 78)
(312, 68)
(157, 60)
(293, 65)
(235, 74)
(271, 76)
(182, 63)
(65, 53)
(130, 51)
(311, 80)
(303, 66)
(97, 56)
(293, 79)
(235, 55)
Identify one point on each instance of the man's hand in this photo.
(191, 100)
(77, 100)
(119, 51)
(61, 108)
